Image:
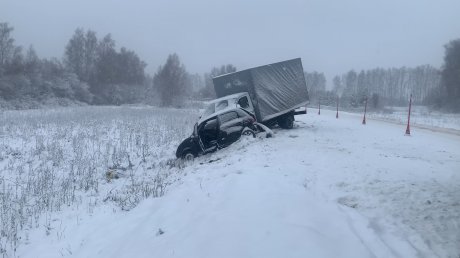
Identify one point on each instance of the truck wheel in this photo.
(286, 122)
(188, 155)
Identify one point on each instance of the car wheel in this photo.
(248, 132)
(188, 155)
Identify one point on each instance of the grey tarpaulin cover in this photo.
(275, 89)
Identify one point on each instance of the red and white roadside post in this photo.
(408, 117)
(337, 114)
(365, 110)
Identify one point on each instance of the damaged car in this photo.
(216, 131)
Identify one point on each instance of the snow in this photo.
(327, 188)
(422, 117)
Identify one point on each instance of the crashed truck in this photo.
(248, 99)
(273, 93)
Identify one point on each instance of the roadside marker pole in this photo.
(365, 109)
(337, 114)
(319, 107)
(408, 117)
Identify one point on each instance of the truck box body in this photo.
(275, 89)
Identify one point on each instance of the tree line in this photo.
(91, 71)
(391, 86)
(26, 79)
(94, 71)
(435, 87)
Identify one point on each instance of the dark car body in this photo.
(215, 132)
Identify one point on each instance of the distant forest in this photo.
(380, 86)
(94, 71)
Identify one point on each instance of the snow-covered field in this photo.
(328, 188)
(78, 158)
(421, 116)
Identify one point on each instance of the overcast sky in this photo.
(331, 36)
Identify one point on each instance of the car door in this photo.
(230, 129)
(208, 134)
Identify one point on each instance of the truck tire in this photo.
(286, 121)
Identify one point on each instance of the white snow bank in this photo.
(328, 188)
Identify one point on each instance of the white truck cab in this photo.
(237, 100)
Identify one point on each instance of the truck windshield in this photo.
(214, 107)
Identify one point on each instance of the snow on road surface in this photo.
(328, 188)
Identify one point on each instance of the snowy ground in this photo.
(421, 116)
(328, 188)
(78, 158)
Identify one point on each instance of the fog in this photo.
(330, 36)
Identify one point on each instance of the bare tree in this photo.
(170, 81)
(32, 62)
(90, 55)
(316, 85)
(6, 45)
(74, 56)
(451, 74)
(208, 90)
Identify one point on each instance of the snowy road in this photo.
(328, 188)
